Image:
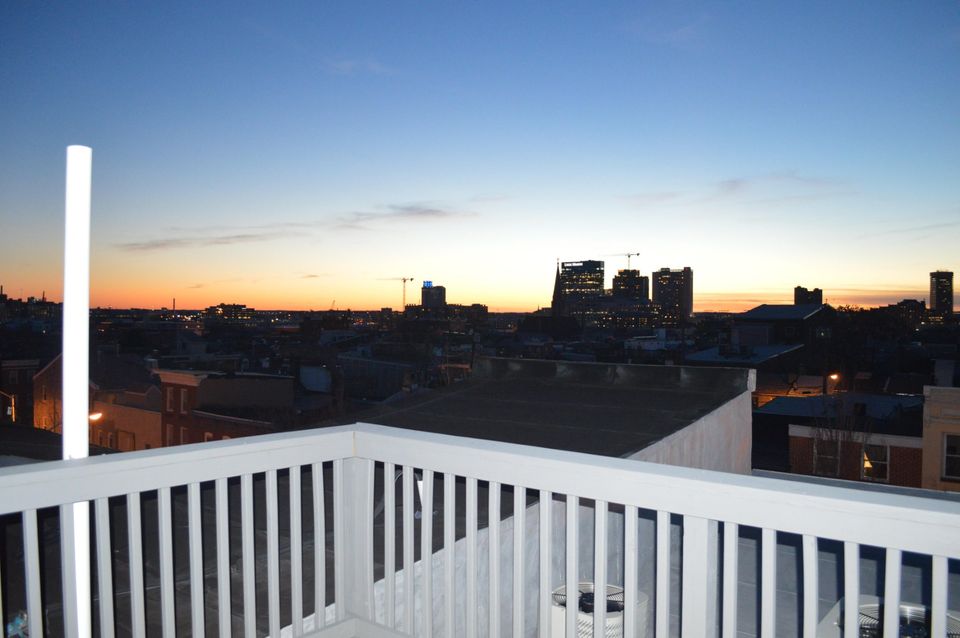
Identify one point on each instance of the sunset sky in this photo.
(300, 155)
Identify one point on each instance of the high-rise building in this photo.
(433, 296)
(802, 296)
(632, 285)
(576, 282)
(673, 291)
(941, 295)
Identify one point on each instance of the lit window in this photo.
(169, 399)
(183, 401)
(951, 456)
(875, 462)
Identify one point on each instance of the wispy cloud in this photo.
(315, 275)
(681, 34)
(362, 220)
(196, 286)
(348, 66)
(913, 229)
(156, 244)
(180, 237)
(167, 243)
(767, 189)
(776, 187)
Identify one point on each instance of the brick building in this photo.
(850, 436)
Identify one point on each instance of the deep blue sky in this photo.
(293, 154)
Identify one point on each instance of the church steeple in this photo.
(557, 304)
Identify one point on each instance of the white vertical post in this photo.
(76, 373)
(699, 580)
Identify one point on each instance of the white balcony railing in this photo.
(256, 536)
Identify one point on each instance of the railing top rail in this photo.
(53, 483)
(910, 523)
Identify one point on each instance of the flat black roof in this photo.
(596, 408)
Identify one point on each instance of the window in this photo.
(874, 463)
(826, 457)
(183, 401)
(169, 399)
(170, 434)
(183, 435)
(951, 456)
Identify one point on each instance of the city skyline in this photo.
(299, 157)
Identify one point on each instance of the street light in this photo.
(12, 410)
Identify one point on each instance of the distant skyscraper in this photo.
(581, 279)
(802, 296)
(673, 291)
(433, 296)
(631, 284)
(941, 294)
(576, 282)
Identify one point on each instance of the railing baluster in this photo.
(75, 568)
(408, 539)
(851, 589)
(630, 558)
(168, 621)
(273, 555)
(938, 598)
(572, 575)
(546, 598)
(31, 554)
(2, 613)
(370, 472)
(600, 568)
(663, 575)
(449, 539)
(493, 531)
(105, 591)
(471, 571)
(195, 529)
(768, 583)
(249, 570)
(223, 558)
(698, 579)
(319, 548)
(731, 549)
(426, 552)
(891, 594)
(810, 586)
(135, 557)
(339, 539)
(389, 544)
(296, 554)
(519, 525)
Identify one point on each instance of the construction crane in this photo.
(404, 280)
(627, 255)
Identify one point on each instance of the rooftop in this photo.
(597, 408)
(781, 312)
